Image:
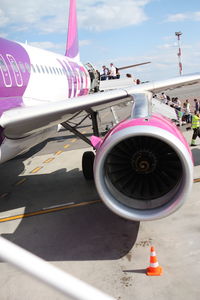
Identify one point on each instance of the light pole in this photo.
(178, 34)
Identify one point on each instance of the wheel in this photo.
(87, 164)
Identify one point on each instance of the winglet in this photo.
(72, 49)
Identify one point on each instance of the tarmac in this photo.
(48, 208)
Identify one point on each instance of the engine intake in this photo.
(143, 172)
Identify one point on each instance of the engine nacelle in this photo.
(143, 169)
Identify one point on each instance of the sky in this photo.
(123, 32)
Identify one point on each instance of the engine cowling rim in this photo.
(180, 194)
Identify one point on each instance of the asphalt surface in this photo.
(40, 210)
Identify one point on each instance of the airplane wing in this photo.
(121, 82)
(112, 84)
(132, 66)
(20, 122)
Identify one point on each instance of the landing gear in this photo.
(88, 156)
(87, 165)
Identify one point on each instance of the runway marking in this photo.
(58, 152)
(73, 140)
(48, 160)
(53, 206)
(197, 180)
(36, 170)
(48, 210)
(3, 195)
(66, 146)
(21, 181)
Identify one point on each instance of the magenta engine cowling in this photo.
(143, 169)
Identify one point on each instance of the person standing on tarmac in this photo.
(195, 127)
(197, 105)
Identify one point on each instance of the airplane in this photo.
(142, 168)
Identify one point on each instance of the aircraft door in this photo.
(94, 78)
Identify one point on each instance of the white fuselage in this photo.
(46, 77)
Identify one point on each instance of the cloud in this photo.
(191, 16)
(47, 45)
(84, 43)
(197, 16)
(4, 20)
(106, 15)
(3, 35)
(52, 16)
(177, 17)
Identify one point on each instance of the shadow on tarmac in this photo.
(91, 232)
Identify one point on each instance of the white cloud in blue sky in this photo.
(192, 16)
(125, 32)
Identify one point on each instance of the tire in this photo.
(87, 165)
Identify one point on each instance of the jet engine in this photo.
(143, 169)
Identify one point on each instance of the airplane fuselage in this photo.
(31, 76)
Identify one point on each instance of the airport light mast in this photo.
(178, 34)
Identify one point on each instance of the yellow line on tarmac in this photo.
(73, 140)
(21, 181)
(48, 160)
(197, 180)
(36, 170)
(3, 195)
(48, 210)
(66, 146)
(58, 152)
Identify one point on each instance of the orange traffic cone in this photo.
(154, 269)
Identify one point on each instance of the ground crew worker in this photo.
(195, 127)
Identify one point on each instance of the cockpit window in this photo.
(14, 66)
(2, 65)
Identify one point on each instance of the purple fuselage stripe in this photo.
(13, 82)
(74, 73)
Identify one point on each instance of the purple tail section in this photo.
(72, 49)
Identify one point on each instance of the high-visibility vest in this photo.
(195, 122)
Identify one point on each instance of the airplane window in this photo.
(46, 69)
(28, 68)
(37, 67)
(14, 66)
(2, 65)
(42, 69)
(60, 71)
(57, 71)
(33, 68)
(54, 70)
(50, 70)
(21, 65)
